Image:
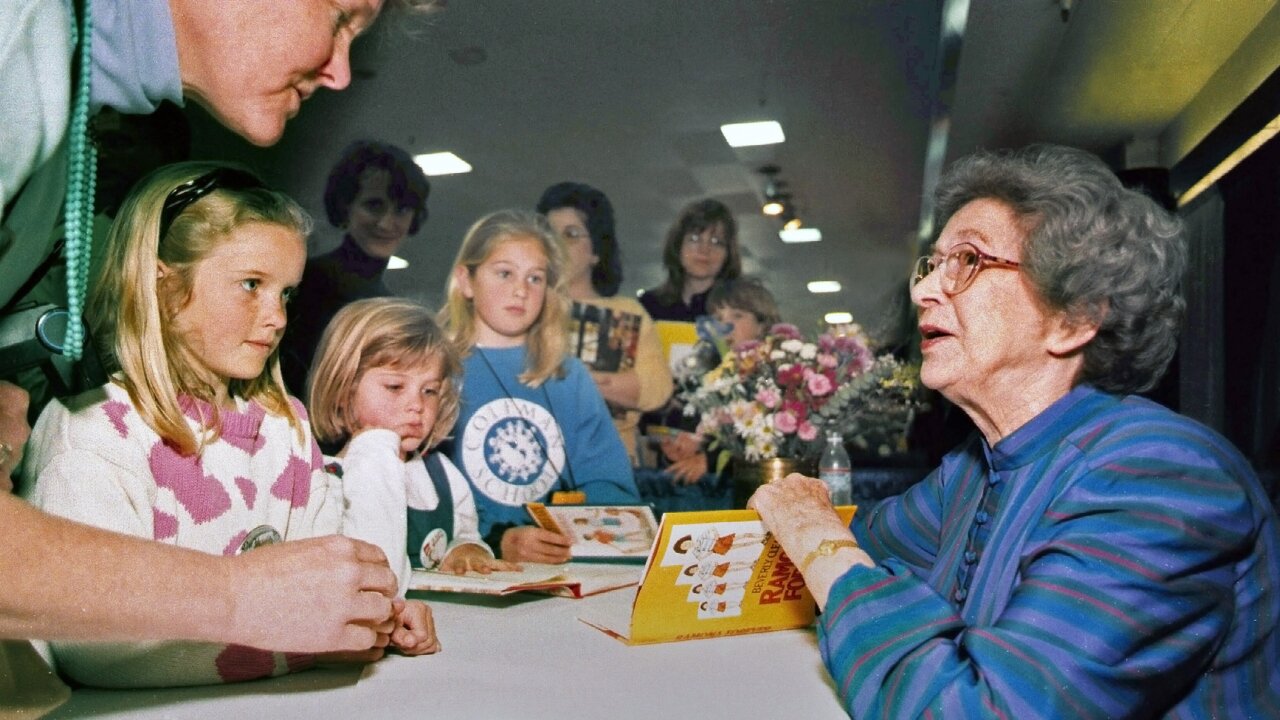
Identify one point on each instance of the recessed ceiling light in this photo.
(838, 318)
(767, 132)
(442, 163)
(397, 263)
(824, 286)
(800, 235)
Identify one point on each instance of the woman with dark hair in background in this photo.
(378, 196)
(583, 218)
(701, 248)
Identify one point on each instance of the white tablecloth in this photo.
(523, 656)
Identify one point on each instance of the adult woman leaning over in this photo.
(1087, 553)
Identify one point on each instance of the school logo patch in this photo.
(512, 450)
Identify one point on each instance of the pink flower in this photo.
(806, 431)
(827, 360)
(795, 407)
(786, 330)
(768, 397)
(819, 384)
(789, 375)
(785, 422)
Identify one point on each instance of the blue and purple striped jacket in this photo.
(1109, 559)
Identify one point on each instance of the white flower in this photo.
(792, 346)
(777, 354)
(809, 351)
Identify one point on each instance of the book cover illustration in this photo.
(712, 574)
(575, 580)
(604, 339)
(600, 531)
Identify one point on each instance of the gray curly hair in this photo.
(1095, 250)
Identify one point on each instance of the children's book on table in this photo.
(600, 532)
(712, 574)
(576, 580)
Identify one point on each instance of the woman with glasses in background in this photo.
(701, 248)
(1086, 553)
(583, 218)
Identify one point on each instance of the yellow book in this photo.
(678, 339)
(712, 574)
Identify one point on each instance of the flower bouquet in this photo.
(780, 396)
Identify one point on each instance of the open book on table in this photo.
(575, 580)
(712, 574)
(615, 532)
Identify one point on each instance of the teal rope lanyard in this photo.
(82, 166)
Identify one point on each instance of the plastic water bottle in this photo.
(836, 471)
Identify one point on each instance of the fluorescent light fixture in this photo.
(1245, 150)
(768, 132)
(838, 318)
(800, 235)
(397, 263)
(442, 163)
(824, 286)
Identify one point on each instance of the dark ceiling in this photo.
(629, 96)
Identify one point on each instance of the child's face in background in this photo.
(235, 315)
(746, 326)
(508, 290)
(405, 400)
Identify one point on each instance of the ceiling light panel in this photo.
(768, 132)
(838, 318)
(824, 286)
(800, 235)
(442, 163)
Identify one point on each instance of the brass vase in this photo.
(747, 476)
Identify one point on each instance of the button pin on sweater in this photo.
(259, 536)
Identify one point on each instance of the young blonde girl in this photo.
(531, 420)
(194, 441)
(385, 388)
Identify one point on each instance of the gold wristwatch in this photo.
(826, 548)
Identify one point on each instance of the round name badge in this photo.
(259, 536)
(433, 549)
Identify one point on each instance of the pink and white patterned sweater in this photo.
(91, 458)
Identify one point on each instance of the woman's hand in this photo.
(534, 544)
(347, 581)
(415, 632)
(620, 389)
(14, 431)
(688, 470)
(469, 557)
(797, 510)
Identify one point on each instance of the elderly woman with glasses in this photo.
(1087, 553)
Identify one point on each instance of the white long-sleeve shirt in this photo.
(93, 459)
(380, 487)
